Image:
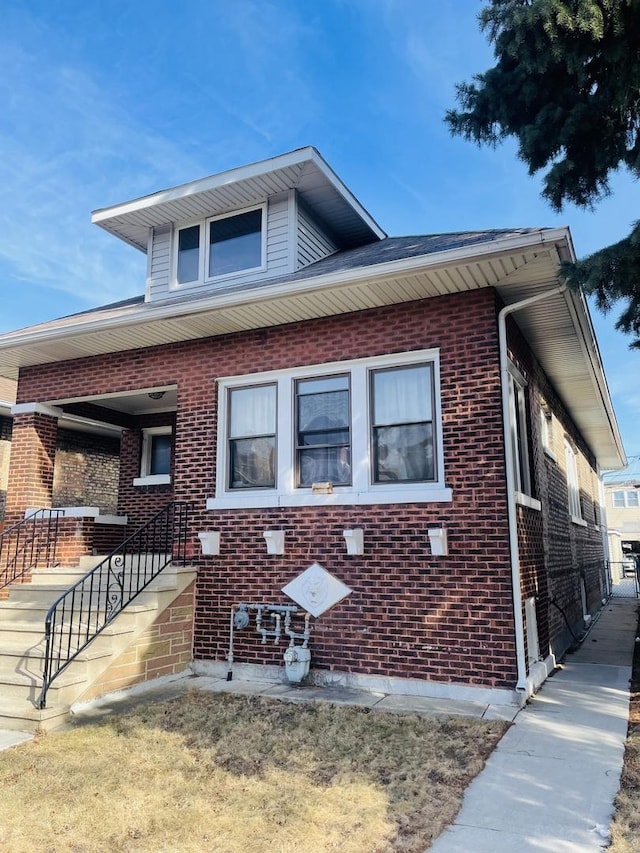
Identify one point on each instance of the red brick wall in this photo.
(410, 614)
(33, 450)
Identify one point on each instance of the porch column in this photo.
(33, 452)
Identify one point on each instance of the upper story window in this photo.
(221, 246)
(626, 499)
(363, 431)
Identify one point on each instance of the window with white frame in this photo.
(546, 429)
(573, 483)
(519, 432)
(155, 458)
(626, 499)
(221, 246)
(362, 431)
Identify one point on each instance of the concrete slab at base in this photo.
(373, 684)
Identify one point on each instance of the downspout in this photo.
(516, 586)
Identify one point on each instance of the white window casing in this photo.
(194, 264)
(148, 476)
(362, 489)
(518, 432)
(573, 483)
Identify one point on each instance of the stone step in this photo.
(22, 646)
(30, 719)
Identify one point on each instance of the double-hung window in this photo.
(252, 437)
(228, 245)
(519, 432)
(361, 431)
(573, 484)
(323, 443)
(402, 424)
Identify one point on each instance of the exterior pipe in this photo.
(516, 586)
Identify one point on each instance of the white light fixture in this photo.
(355, 541)
(438, 541)
(210, 542)
(275, 541)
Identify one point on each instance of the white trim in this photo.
(152, 480)
(579, 521)
(573, 483)
(252, 170)
(146, 478)
(203, 224)
(36, 409)
(527, 500)
(362, 490)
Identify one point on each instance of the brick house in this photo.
(291, 370)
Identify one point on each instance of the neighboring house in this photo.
(622, 494)
(291, 370)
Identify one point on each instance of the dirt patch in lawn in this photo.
(625, 829)
(215, 772)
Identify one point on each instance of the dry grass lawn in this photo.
(216, 772)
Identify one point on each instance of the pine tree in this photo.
(566, 85)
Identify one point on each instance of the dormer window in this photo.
(221, 246)
(235, 243)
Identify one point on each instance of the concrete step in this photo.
(22, 647)
(30, 719)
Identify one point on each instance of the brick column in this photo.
(33, 451)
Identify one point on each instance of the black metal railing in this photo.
(29, 543)
(80, 614)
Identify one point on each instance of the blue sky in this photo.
(106, 100)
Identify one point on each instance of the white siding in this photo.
(160, 263)
(278, 248)
(313, 242)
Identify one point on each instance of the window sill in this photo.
(336, 498)
(153, 480)
(526, 500)
(548, 452)
(575, 519)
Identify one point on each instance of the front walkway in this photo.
(550, 784)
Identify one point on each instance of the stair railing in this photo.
(81, 613)
(30, 542)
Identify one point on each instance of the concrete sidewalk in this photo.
(550, 784)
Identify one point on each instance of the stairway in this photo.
(22, 643)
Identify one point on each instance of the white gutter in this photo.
(516, 586)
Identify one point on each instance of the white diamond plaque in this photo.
(316, 589)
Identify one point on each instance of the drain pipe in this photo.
(516, 586)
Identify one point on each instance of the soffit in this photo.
(303, 170)
(558, 328)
